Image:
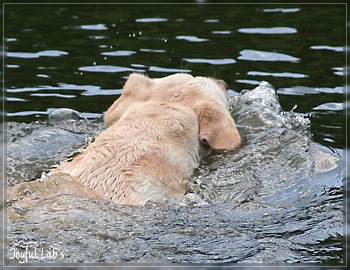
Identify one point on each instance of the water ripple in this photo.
(330, 48)
(302, 90)
(212, 21)
(227, 32)
(253, 55)
(282, 74)
(192, 38)
(272, 30)
(252, 82)
(338, 71)
(12, 66)
(26, 113)
(108, 69)
(87, 90)
(167, 70)
(119, 53)
(53, 95)
(15, 99)
(98, 26)
(48, 53)
(48, 111)
(152, 50)
(331, 106)
(97, 37)
(151, 20)
(224, 61)
(283, 10)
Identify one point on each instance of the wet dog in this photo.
(151, 146)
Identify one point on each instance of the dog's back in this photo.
(151, 146)
(147, 155)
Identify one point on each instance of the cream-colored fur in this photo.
(152, 144)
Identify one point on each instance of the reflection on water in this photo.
(253, 55)
(98, 47)
(279, 199)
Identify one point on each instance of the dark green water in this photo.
(78, 57)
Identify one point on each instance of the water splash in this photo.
(276, 162)
(275, 200)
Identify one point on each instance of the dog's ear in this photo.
(224, 87)
(216, 127)
(222, 84)
(136, 88)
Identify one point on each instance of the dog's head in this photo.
(207, 97)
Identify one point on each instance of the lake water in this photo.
(274, 201)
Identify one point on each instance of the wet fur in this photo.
(151, 146)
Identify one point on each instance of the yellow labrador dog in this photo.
(151, 147)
